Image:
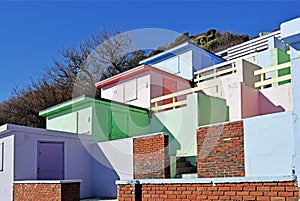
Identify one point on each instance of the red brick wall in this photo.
(221, 150)
(46, 192)
(151, 158)
(268, 191)
(128, 193)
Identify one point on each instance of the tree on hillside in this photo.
(97, 58)
(23, 107)
(100, 56)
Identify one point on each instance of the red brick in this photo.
(44, 192)
(151, 157)
(230, 152)
(286, 194)
(249, 197)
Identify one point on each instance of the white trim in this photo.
(48, 181)
(149, 135)
(9, 128)
(209, 180)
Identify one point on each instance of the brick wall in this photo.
(221, 150)
(268, 191)
(151, 158)
(46, 191)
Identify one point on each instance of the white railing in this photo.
(251, 46)
(262, 72)
(220, 69)
(175, 104)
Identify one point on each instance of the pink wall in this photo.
(250, 101)
(255, 103)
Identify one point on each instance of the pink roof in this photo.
(136, 71)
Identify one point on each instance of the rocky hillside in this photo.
(211, 40)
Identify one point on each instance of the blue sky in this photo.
(33, 32)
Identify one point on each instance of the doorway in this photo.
(50, 160)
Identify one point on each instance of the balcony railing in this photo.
(175, 96)
(220, 69)
(263, 83)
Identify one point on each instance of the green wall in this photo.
(211, 110)
(103, 119)
(113, 121)
(279, 57)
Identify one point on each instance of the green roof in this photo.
(82, 100)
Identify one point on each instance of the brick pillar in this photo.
(151, 157)
(221, 150)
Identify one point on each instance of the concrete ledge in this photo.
(209, 180)
(149, 135)
(48, 181)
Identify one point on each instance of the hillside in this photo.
(211, 40)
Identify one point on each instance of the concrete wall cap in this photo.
(48, 181)
(210, 180)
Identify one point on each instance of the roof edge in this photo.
(135, 71)
(82, 100)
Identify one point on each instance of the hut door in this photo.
(50, 160)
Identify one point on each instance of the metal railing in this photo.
(262, 72)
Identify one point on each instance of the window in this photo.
(118, 94)
(1, 155)
(130, 90)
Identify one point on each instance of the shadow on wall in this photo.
(266, 106)
(158, 126)
(104, 175)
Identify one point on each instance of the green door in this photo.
(119, 125)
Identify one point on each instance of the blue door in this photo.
(50, 160)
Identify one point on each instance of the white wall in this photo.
(269, 141)
(180, 64)
(66, 123)
(203, 59)
(280, 96)
(140, 98)
(77, 159)
(149, 85)
(113, 161)
(6, 176)
(290, 33)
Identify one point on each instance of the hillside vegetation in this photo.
(211, 40)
